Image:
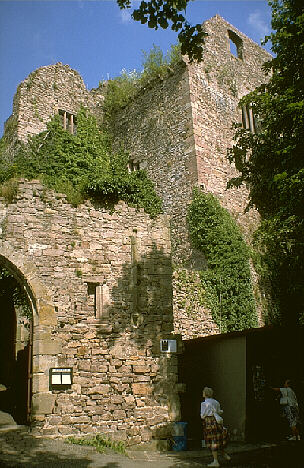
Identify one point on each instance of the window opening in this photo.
(101, 297)
(249, 121)
(236, 44)
(68, 121)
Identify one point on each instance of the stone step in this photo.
(6, 419)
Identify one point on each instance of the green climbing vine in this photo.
(227, 280)
(189, 281)
(81, 166)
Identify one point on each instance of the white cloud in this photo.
(125, 15)
(258, 22)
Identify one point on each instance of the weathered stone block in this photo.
(119, 414)
(46, 314)
(100, 389)
(40, 383)
(47, 346)
(43, 403)
(141, 389)
(141, 369)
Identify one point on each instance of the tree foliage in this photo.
(82, 166)
(227, 281)
(271, 162)
(165, 13)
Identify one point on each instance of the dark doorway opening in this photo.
(274, 354)
(243, 368)
(15, 348)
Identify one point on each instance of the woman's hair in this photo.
(208, 392)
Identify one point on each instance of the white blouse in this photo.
(288, 397)
(209, 407)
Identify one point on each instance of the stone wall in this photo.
(156, 129)
(46, 91)
(101, 289)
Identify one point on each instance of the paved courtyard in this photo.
(20, 449)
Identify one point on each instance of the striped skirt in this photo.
(215, 435)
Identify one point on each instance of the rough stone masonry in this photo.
(101, 291)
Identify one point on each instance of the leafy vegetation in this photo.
(270, 162)
(189, 281)
(227, 280)
(82, 166)
(100, 442)
(121, 90)
(162, 13)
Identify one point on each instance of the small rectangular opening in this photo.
(249, 121)
(68, 121)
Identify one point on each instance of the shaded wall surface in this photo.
(273, 355)
(101, 292)
(218, 363)
(242, 368)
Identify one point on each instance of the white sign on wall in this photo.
(168, 346)
(61, 378)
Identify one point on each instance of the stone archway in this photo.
(44, 348)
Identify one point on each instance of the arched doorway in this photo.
(15, 347)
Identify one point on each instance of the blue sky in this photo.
(96, 38)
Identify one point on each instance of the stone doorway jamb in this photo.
(45, 347)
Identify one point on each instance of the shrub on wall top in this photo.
(82, 166)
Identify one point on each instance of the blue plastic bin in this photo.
(179, 436)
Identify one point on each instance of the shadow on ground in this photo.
(19, 449)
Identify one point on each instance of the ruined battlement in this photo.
(48, 91)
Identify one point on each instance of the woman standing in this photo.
(215, 434)
(290, 408)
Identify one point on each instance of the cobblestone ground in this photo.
(20, 449)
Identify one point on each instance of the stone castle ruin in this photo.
(107, 314)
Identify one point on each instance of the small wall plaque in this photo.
(61, 378)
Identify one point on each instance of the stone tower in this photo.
(179, 129)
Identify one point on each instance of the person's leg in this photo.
(225, 455)
(295, 431)
(215, 458)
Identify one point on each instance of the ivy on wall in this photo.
(189, 293)
(81, 166)
(227, 280)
